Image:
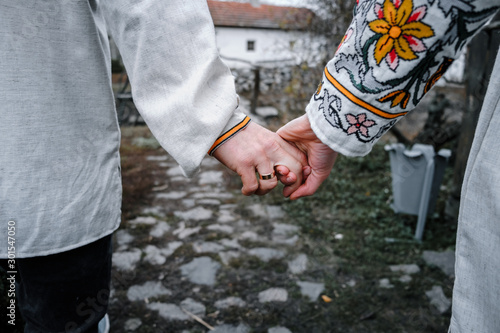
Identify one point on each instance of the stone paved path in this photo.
(188, 251)
(200, 251)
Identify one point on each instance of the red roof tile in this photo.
(237, 14)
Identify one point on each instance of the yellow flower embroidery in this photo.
(399, 97)
(401, 31)
(439, 73)
(318, 90)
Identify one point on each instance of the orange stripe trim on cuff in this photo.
(360, 102)
(226, 136)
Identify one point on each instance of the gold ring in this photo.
(267, 176)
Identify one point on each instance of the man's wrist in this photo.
(227, 135)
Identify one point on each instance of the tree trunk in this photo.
(256, 90)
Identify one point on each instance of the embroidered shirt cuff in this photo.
(233, 127)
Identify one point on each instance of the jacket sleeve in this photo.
(181, 87)
(392, 54)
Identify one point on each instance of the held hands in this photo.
(301, 163)
(320, 157)
(256, 149)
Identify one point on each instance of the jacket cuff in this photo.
(238, 122)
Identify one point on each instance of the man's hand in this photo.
(256, 149)
(321, 158)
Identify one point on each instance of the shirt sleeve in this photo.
(181, 87)
(392, 54)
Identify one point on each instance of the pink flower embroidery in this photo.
(359, 123)
(347, 36)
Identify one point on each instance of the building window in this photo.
(250, 45)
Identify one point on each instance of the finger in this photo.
(281, 170)
(306, 171)
(288, 180)
(266, 185)
(284, 175)
(286, 162)
(295, 165)
(310, 186)
(291, 178)
(294, 178)
(250, 183)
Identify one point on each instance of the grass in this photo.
(354, 202)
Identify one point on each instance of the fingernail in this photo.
(289, 179)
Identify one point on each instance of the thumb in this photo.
(295, 129)
(310, 186)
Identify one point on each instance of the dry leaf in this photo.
(326, 299)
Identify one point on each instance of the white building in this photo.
(262, 35)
